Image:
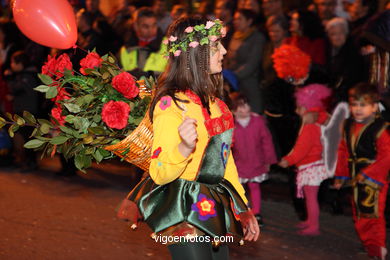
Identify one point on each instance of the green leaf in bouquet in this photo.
(34, 132)
(70, 119)
(90, 82)
(2, 122)
(82, 161)
(66, 130)
(73, 108)
(99, 130)
(112, 72)
(51, 93)
(47, 80)
(138, 120)
(97, 118)
(90, 150)
(44, 121)
(42, 88)
(42, 138)
(59, 139)
(98, 155)
(98, 140)
(85, 100)
(34, 143)
(94, 72)
(44, 128)
(12, 130)
(88, 139)
(111, 60)
(78, 161)
(9, 116)
(104, 153)
(81, 123)
(29, 117)
(19, 120)
(106, 75)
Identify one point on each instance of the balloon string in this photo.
(75, 47)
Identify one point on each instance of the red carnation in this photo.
(61, 95)
(63, 63)
(57, 66)
(91, 61)
(56, 113)
(124, 83)
(115, 114)
(49, 68)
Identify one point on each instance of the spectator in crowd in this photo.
(360, 12)
(206, 9)
(143, 51)
(93, 8)
(244, 57)
(326, 9)
(21, 80)
(121, 18)
(178, 11)
(345, 65)
(308, 34)
(253, 151)
(87, 38)
(272, 7)
(255, 6)
(277, 28)
(163, 16)
(224, 11)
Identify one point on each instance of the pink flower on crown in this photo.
(213, 38)
(177, 53)
(193, 44)
(189, 29)
(209, 24)
(172, 38)
(165, 41)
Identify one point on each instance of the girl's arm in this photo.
(167, 161)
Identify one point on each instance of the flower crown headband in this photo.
(209, 32)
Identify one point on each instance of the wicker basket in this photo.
(136, 147)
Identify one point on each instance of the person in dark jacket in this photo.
(21, 82)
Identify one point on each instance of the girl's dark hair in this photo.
(311, 24)
(189, 70)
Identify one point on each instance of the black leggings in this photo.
(198, 251)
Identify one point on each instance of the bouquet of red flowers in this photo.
(96, 107)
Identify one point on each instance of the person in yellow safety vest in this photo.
(143, 52)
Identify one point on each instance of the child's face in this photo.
(300, 110)
(242, 111)
(361, 109)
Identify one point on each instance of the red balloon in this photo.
(50, 23)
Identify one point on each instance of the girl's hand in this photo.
(189, 135)
(250, 226)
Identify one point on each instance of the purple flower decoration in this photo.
(205, 207)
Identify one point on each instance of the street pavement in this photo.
(45, 216)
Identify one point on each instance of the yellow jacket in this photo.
(167, 162)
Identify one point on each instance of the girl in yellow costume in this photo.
(193, 188)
